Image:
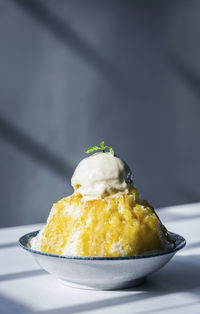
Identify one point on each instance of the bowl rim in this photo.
(179, 241)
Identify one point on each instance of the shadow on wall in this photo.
(34, 150)
(62, 30)
(71, 79)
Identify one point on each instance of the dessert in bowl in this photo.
(102, 236)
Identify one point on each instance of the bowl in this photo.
(102, 273)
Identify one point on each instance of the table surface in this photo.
(25, 288)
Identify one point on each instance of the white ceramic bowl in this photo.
(103, 273)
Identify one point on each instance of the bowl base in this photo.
(126, 285)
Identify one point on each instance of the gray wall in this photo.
(75, 72)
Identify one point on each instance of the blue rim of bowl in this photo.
(179, 243)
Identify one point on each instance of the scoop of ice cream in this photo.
(101, 173)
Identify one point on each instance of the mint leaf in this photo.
(111, 150)
(102, 148)
(102, 145)
(92, 149)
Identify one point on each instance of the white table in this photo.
(25, 288)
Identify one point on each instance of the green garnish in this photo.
(102, 148)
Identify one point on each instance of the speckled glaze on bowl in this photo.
(102, 273)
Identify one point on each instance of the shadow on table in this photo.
(8, 245)
(22, 274)
(174, 216)
(10, 306)
(193, 245)
(181, 275)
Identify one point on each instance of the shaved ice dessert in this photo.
(104, 217)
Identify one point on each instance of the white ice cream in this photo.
(100, 174)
